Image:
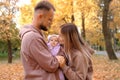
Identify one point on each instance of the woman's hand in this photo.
(61, 60)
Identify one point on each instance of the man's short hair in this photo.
(44, 5)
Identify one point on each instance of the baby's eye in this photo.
(56, 40)
(51, 40)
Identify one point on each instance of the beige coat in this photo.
(37, 60)
(79, 67)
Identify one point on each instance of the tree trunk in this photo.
(83, 26)
(106, 32)
(9, 52)
(72, 18)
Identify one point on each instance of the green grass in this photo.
(4, 56)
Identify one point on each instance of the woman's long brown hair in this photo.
(72, 39)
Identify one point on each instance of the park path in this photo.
(105, 53)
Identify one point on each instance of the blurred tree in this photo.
(115, 23)
(84, 13)
(88, 10)
(8, 9)
(106, 29)
(94, 19)
(26, 12)
(81, 12)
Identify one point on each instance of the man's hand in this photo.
(61, 60)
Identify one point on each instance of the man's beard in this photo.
(44, 28)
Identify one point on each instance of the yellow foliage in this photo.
(64, 11)
(26, 13)
(7, 14)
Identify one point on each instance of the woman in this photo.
(78, 53)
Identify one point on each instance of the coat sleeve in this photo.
(79, 71)
(43, 56)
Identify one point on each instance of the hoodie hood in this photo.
(26, 29)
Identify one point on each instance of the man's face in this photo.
(46, 20)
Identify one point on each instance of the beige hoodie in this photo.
(37, 60)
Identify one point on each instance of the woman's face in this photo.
(61, 39)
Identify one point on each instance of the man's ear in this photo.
(40, 15)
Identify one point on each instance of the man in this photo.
(38, 62)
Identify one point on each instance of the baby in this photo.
(54, 46)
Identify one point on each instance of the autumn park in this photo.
(98, 22)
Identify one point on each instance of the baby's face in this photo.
(53, 41)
